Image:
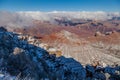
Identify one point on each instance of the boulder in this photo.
(98, 33)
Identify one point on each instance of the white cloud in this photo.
(98, 15)
(14, 19)
(23, 18)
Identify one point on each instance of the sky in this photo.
(60, 5)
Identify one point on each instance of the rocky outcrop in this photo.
(18, 57)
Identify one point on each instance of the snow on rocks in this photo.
(1, 75)
(17, 51)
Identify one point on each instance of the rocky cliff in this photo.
(17, 57)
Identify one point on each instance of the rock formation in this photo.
(19, 59)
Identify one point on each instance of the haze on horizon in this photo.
(60, 5)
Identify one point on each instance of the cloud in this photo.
(48, 16)
(23, 19)
(13, 19)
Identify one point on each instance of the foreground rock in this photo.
(17, 57)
